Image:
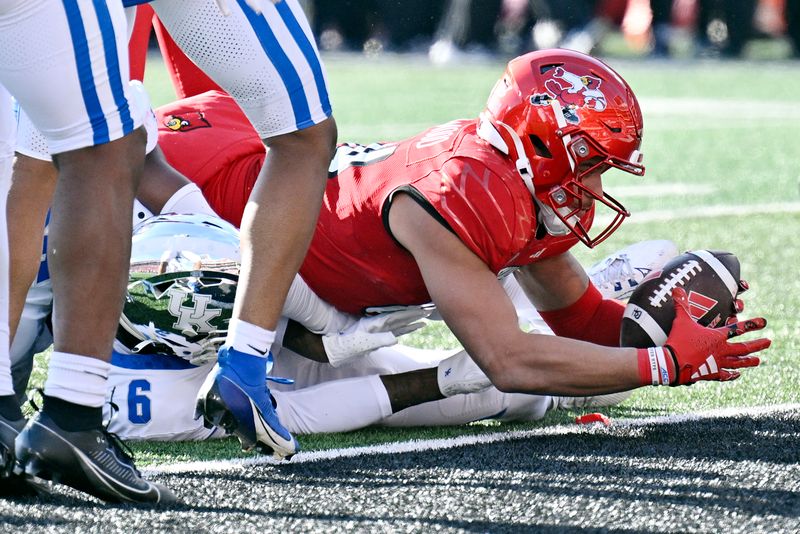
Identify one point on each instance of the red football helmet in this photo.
(561, 115)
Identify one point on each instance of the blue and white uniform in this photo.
(269, 63)
(66, 62)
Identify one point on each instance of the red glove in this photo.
(700, 353)
(738, 304)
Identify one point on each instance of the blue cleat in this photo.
(235, 397)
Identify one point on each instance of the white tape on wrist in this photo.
(658, 366)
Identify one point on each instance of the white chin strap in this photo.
(488, 132)
(551, 222)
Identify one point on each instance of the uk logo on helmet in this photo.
(572, 91)
(192, 319)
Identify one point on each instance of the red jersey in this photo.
(353, 261)
(210, 141)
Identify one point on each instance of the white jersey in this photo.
(152, 397)
(155, 396)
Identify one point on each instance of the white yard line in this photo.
(706, 212)
(439, 444)
(661, 190)
(718, 109)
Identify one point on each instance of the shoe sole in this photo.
(215, 412)
(39, 471)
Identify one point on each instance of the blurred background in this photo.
(457, 30)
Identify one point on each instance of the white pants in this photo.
(268, 63)
(66, 62)
(154, 397)
(7, 129)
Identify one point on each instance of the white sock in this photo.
(188, 199)
(6, 383)
(460, 374)
(456, 410)
(77, 379)
(249, 338)
(337, 406)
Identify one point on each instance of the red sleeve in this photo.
(483, 209)
(137, 44)
(591, 318)
(187, 79)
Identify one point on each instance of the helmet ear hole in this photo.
(539, 147)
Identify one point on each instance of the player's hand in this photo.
(738, 304)
(255, 5)
(371, 333)
(702, 353)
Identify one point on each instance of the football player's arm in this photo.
(475, 307)
(163, 189)
(570, 304)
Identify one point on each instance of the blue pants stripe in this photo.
(85, 74)
(308, 51)
(289, 77)
(113, 66)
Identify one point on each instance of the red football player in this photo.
(437, 217)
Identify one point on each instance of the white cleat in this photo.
(597, 401)
(617, 275)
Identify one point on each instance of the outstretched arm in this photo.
(472, 302)
(480, 314)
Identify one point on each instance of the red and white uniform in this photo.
(353, 261)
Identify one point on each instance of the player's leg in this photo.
(274, 73)
(11, 420)
(32, 189)
(93, 130)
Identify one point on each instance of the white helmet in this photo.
(183, 275)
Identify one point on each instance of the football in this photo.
(711, 280)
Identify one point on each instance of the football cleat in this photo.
(596, 401)
(235, 397)
(617, 275)
(92, 461)
(11, 484)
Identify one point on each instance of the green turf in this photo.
(730, 158)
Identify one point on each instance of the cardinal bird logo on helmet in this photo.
(573, 92)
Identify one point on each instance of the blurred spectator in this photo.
(345, 24)
(793, 25)
(575, 24)
(721, 27)
(409, 25)
(376, 25)
(467, 26)
(724, 26)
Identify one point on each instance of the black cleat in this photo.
(91, 461)
(12, 485)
